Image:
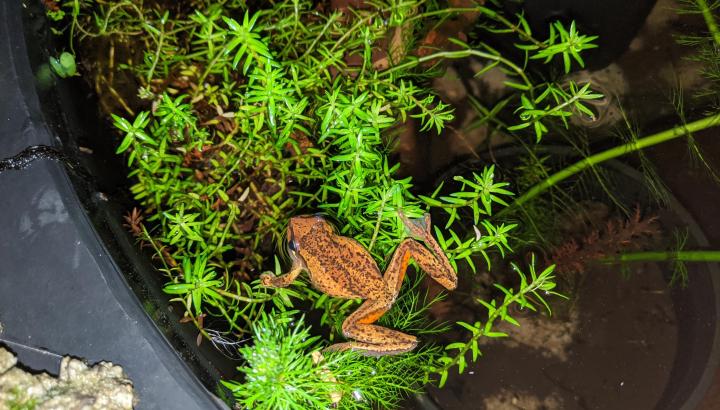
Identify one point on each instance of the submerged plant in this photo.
(530, 294)
(286, 369)
(706, 46)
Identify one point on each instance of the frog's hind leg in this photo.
(437, 266)
(370, 339)
(421, 230)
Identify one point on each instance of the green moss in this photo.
(19, 401)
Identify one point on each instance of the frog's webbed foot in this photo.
(434, 261)
(370, 339)
(419, 229)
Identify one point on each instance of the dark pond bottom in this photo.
(625, 341)
(616, 351)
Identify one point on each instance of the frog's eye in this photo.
(292, 245)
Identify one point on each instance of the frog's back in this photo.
(342, 267)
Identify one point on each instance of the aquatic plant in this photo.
(705, 51)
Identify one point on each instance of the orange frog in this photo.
(341, 267)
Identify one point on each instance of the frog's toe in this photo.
(338, 347)
(266, 279)
(427, 222)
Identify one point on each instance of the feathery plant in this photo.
(243, 116)
(279, 374)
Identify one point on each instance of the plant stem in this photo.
(188, 313)
(330, 21)
(709, 20)
(240, 298)
(210, 66)
(160, 42)
(683, 256)
(378, 222)
(460, 54)
(488, 13)
(620, 150)
(362, 22)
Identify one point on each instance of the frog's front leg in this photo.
(370, 339)
(268, 279)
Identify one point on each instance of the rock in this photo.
(78, 387)
(7, 360)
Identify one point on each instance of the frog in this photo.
(342, 267)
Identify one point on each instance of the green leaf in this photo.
(457, 345)
(517, 86)
(469, 327)
(177, 288)
(64, 65)
(443, 378)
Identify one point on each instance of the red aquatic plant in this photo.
(618, 235)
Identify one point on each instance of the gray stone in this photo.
(78, 387)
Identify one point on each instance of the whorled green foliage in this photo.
(531, 293)
(286, 369)
(252, 115)
(281, 76)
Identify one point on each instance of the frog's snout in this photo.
(450, 282)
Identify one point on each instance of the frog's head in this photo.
(301, 226)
